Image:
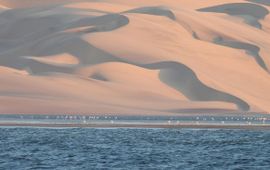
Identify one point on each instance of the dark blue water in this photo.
(43, 148)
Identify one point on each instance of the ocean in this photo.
(133, 148)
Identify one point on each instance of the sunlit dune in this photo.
(30, 3)
(3, 7)
(99, 6)
(62, 59)
(8, 70)
(154, 57)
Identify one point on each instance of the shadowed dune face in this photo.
(159, 11)
(140, 57)
(249, 48)
(264, 2)
(51, 38)
(98, 76)
(251, 13)
(185, 80)
(103, 23)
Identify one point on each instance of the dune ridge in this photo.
(251, 13)
(160, 11)
(31, 3)
(249, 48)
(264, 2)
(183, 79)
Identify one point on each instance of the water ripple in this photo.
(41, 148)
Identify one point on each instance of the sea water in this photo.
(133, 148)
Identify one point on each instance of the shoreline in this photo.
(140, 125)
(196, 122)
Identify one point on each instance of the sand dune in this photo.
(103, 23)
(249, 48)
(8, 70)
(65, 59)
(251, 13)
(31, 3)
(185, 80)
(101, 6)
(52, 39)
(264, 2)
(2, 7)
(134, 57)
(160, 11)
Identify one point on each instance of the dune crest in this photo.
(249, 48)
(159, 11)
(63, 59)
(4, 70)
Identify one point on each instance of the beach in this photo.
(251, 122)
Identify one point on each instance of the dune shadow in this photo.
(50, 37)
(156, 10)
(183, 79)
(263, 2)
(55, 38)
(98, 76)
(201, 110)
(104, 23)
(251, 13)
(250, 49)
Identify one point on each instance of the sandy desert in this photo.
(134, 57)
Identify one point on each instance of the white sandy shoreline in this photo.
(245, 121)
(139, 125)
